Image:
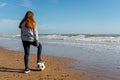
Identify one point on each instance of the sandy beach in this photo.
(12, 66)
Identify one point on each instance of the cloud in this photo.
(26, 3)
(43, 26)
(9, 26)
(2, 4)
(22, 3)
(10, 21)
(55, 1)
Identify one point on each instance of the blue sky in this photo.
(63, 16)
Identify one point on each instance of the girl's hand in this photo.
(36, 43)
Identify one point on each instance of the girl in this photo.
(29, 36)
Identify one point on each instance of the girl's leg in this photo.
(39, 53)
(26, 46)
(39, 50)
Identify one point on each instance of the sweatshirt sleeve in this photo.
(36, 34)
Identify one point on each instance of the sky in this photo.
(62, 16)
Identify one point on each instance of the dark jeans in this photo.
(26, 45)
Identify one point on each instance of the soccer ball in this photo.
(41, 66)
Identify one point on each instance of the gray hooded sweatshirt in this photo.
(28, 34)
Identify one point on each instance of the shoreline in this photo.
(12, 66)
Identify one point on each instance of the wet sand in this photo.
(12, 66)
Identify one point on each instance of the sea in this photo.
(96, 55)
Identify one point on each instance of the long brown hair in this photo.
(29, 20)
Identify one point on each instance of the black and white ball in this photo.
(41, 66)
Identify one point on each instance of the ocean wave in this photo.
(71, 37)
(9, 35)
(84, 44)
(1, 38)
(90, 38)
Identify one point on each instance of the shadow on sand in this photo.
(4, 69)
